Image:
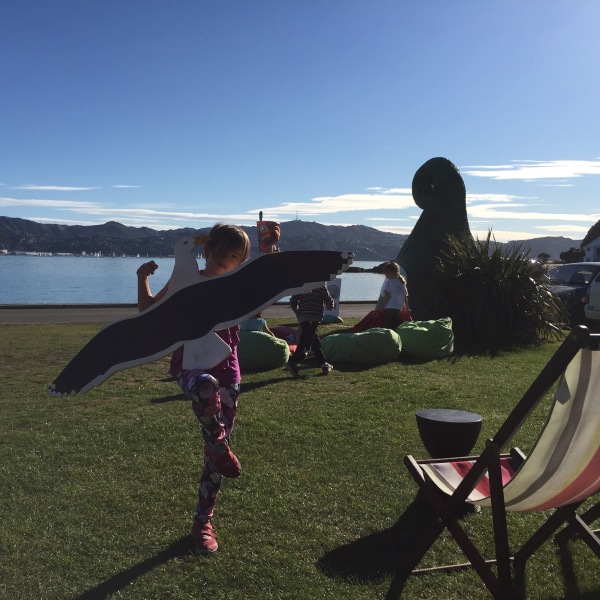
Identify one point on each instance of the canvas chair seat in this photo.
(561, 471)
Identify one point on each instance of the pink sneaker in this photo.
(205, 541)
(226, 463)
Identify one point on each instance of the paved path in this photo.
(107, 313)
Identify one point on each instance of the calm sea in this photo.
(90, 280)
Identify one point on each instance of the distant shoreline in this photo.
(22, 314)
(351, 269)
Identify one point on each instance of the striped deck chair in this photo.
(562, 470)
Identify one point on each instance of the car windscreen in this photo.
(572, 274)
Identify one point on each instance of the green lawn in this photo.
(97, 491)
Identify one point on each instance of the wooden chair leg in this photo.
(588, 517)
(445, 509)
(499, 519)
(585, 533)
(591, 515)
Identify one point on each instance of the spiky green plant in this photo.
(497, 295)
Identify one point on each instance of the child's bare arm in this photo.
(145, 297)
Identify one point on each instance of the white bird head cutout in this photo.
(185, 270)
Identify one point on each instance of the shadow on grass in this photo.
(181, 548)
(172, 398)
(572, 590)
(378, 555)
(257, 385)
(246, 387)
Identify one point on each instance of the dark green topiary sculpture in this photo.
(439, 190)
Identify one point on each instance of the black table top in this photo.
(448, 415)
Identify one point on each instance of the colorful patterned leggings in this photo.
(215, 408)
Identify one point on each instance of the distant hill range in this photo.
(552, 246)
(21, 235)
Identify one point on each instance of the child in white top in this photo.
(393, 295)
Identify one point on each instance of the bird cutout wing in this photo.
(205, 352)
(194, 311)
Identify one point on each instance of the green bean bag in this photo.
(258, 350)
(427, 339)
(373, 346)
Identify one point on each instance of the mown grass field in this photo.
(97, 491)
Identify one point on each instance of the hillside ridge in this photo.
(22, 235)
(367, 243)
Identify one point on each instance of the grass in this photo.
(97, 491)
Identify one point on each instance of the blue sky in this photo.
(182, 113)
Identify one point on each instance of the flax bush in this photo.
(497, 295)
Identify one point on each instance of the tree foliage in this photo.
(592, 234)
(543, 257)
(572, 255)
(497, 295)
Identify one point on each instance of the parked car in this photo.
(570, 283)
(592, 301)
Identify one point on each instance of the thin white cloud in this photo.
(390, 190)
(402, 229)
(504, 236)
(535, 169)
(160, 226)
(398, 191)
(147, 214)
(483, 210)
(500, 198)
(326, 205)
(556, 185)
(128, 222)
(493, 211)
(59, 221)
(54, 188)
(567, 229)
(29, 202)
(389, 220)
(498, 234)
(388, 200)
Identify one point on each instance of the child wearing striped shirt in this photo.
(309, 311)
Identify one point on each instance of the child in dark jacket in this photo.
(309, 311)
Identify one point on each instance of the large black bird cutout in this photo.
(194, 307)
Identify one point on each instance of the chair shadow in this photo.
(181, 548)
(378, 555)
(572, 590)
(569, 578)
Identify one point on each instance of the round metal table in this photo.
(447, 432)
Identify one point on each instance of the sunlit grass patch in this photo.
(97, 490)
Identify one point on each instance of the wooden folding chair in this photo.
(561, 472)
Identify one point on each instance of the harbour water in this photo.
(112, 280)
